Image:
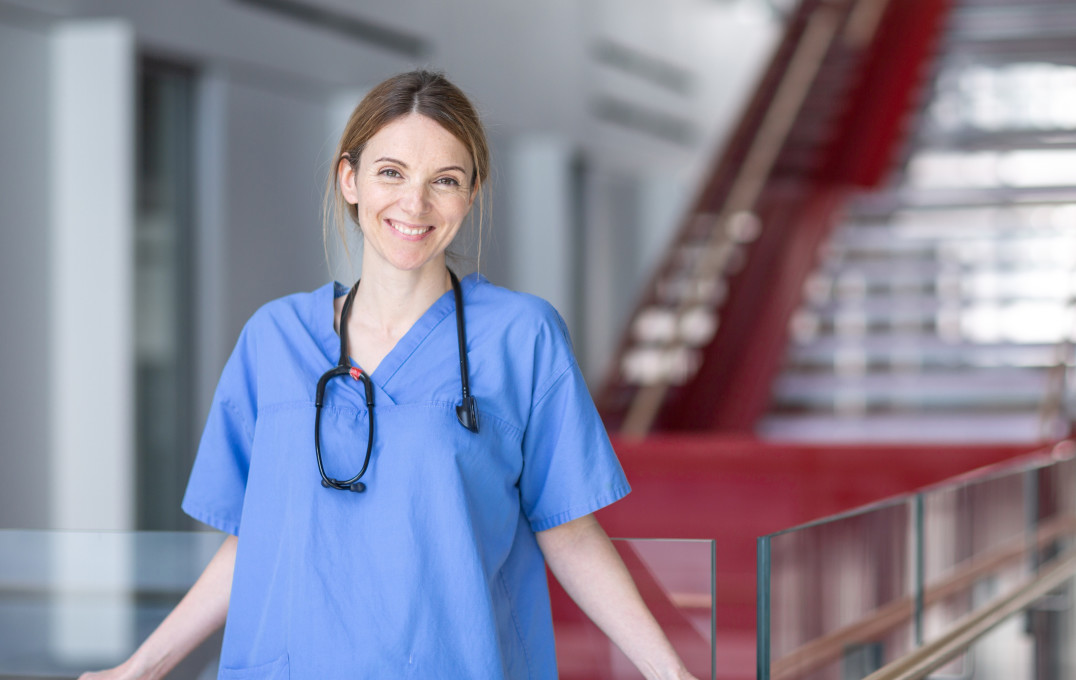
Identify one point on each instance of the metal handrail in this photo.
(822, 650)
(920, 663)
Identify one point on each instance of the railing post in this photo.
(763, 600)
(920, 566)
(1031, 519)
(713, 610)
(1031, 514)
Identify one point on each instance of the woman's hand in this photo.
(117, 673)
(585, 562)
(201, 612)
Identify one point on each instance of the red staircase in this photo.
(701, 351)
(704, 343)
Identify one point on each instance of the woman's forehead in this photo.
(419, 139)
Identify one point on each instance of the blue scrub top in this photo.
(433, 571)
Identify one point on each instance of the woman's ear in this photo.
(345, 177)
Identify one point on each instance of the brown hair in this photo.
(423, 92)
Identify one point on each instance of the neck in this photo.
(389, 299)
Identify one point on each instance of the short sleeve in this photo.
(218, 479)
(569, 467)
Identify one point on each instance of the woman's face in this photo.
(413, 190)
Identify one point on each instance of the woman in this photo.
(455, 449)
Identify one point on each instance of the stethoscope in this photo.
(466, 412)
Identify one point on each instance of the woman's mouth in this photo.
(408, 230)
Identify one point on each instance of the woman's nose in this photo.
(415, 199)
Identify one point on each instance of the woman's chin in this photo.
(413, 262)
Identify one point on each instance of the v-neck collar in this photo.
(441, 308)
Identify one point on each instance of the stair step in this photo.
(1030, 322)
(995, 428)
(1036, 321)
(991, 222)
(922, 232)
(908, 352)
(971, 389)
(889, 201)
(930, 306)
(965, 291)
(984, 221)
(968, 253)
(925, 271)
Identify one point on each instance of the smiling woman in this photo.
(412, 189)
(433, 565)
(430, 97)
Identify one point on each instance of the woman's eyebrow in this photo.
(400, 163)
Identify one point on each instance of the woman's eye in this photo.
(449, 181)
(389, 172)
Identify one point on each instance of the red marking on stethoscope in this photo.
(356, 372)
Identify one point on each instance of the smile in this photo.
(408, 231)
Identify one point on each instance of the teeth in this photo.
(409, 231)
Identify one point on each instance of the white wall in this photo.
(544, 234)
(609, 283)
(263, 149)
(90, 184)
(277, 148)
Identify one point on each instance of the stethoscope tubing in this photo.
(319, 398)
(466, 412)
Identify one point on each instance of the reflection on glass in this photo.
(72, 601)
(1035, 644)
(840, 594)
(842, 597)
(974, 547)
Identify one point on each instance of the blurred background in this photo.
(162, 171)
(812, 254)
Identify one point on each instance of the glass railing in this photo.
(76, 601)
(844, 596)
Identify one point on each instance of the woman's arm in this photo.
(201, 612)
(585, 562)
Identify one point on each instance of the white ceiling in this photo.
(531, 66)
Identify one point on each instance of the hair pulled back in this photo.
(423, 92)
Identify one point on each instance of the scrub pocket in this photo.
(277, 669)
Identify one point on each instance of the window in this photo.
(164, 333)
